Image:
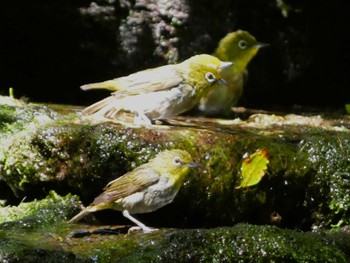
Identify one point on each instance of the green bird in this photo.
(146, 188)
(238, 47)
(160, 92)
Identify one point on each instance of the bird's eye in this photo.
(177, 161)
(242, 44)
(210, 77)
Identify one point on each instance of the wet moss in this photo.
(50, 211)
(305, 188)
(18, 123)
(32, 231)
(263, 243)
(41, 148)
(328, 157)
(13, 252)
(241, 243)
(306, 181)
(16, 116)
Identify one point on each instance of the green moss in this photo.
(328, 156)
(70, 153)
(18, 124)
(242, 243)
(52, 210)
(14, 250)
(15, 117)
(306, 180)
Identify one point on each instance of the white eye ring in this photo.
(242, 44)
(210, 77)
(177, 161)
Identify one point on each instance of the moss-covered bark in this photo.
(306, 185)
(306, 181)
(53, 240)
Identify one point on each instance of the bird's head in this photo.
(175, 164)
(238, 46)
(204, 71)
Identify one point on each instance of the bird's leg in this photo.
(141, 119)
(142, 226)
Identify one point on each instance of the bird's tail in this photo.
(77, 217)
(83, 213)
(103, 105)
(111, 85)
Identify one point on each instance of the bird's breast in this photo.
(160, 104)
(152, 198)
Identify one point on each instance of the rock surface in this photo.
(45, 148)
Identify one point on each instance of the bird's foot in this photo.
(141, 119)
(145, 230)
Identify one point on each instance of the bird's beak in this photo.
(222, 82)
(193, 165)
(260, 45)
(225, 64)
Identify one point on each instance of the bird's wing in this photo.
(127, 185)
(99, 105)
(150, 80)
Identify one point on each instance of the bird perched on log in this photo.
(146, 188)
(160, 92)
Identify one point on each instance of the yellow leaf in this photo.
(254, 168)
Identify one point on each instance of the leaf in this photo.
(347, 108)
(254, 168)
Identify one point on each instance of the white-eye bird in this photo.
(146, 188)
(160, 92)
(238, 47)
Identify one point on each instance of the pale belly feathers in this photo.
(155, 197)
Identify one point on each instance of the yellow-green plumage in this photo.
(239, 47)
(160, 92)
(146, 188)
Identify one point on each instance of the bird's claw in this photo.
(145, 230)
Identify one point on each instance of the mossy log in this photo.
(305, 187)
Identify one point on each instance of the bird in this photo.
(144, 189)
(160, 92)
(238, 47)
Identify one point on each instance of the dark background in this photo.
(49, 48)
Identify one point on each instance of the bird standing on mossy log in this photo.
(238, 47)
(160, 92)
(146, 188)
